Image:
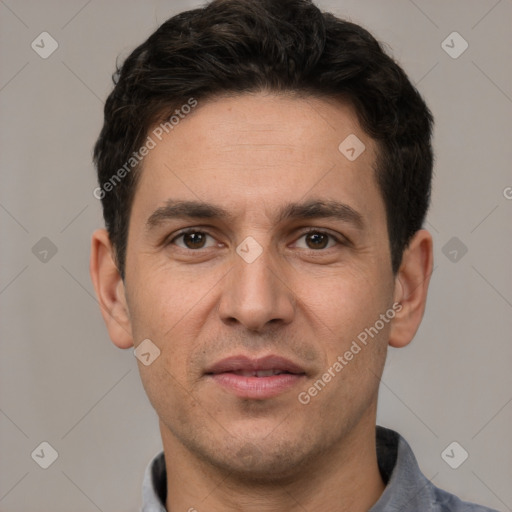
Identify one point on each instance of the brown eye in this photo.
(193, 240)
(317, 240)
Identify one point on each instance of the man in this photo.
(265, 171)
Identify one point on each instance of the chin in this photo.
(259, 462)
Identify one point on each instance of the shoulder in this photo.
(446, 502)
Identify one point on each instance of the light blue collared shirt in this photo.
(407, 489)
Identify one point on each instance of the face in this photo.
(257, 255)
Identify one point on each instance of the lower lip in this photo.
(257, 387)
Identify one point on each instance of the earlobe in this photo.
(411, 287)
(110, 290)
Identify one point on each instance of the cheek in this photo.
(159, 300)
(354, 348)
(167, 392)
(354, 354)
(164, 310)
(171, 310)
(344, 303)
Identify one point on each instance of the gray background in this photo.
(61, 379)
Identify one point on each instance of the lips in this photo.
(261, 367)
(259, 379)
(258, 373)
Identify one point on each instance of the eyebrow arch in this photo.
(186, 209)
(322, 209)
(292, 211)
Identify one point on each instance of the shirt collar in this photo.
(154, 486)
(406, 486)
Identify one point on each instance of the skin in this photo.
(301, 299)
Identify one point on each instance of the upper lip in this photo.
(244, 363)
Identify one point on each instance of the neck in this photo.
(347, 478)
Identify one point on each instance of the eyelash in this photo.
(188, 231)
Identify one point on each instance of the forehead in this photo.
(262, 150)
(260, 124)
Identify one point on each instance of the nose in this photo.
(255, 294)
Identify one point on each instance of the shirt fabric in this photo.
(407, 489)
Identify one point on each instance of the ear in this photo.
(411, 286)
(110, 290)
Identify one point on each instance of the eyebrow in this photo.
(186, 210)
(311, 209)
(314, 209)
